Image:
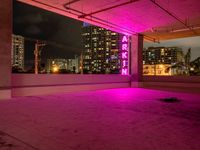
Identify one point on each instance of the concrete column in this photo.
(136, 60)
(5, 48)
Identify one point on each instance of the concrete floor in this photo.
(115, 119)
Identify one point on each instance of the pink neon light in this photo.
(124, 39)
(124, 46)
(124, 63)
(124, 55)
(124, 71)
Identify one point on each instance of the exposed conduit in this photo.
(97, 20)
(108, 8)
(106, 23)
(175, 17)
(71, 2)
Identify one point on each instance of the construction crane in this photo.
(39, 45)
(37, 52)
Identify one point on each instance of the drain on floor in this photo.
(170, 100)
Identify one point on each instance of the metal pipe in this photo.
(54, 7)
(71, 2)
(169, 13)
(98, 20)
(101, 21)
(108, 8)
(149, 38)
(186, 29)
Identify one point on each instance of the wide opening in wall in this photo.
(176, 57)
(44, 42)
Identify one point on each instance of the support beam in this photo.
(136, 59)
(5, 48)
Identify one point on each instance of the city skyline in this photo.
(184, 43)
(165, 61)
(63, 33)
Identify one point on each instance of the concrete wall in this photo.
(30, 84)
(5, 48)
(175, 79)
(172, 83)
(136, 59)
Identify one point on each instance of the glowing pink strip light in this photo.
(124, 55)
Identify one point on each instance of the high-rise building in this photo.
(101, 50)
(17, 52)
(163, 61)
(162, 55)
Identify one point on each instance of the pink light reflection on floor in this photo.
(115, 119)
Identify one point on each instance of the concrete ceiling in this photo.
(155, 19)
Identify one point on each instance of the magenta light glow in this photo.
(124, 55)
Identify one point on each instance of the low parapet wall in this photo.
(42, 84)
(189, 84)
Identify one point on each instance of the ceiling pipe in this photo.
(98, 20)
(77, 13)
(151, 39)
(101, 21)
(175, 17)
(185, 29)
(71, 2)
(54, 7)
(108, 8)
(114, 26)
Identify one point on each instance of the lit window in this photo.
(113, 33)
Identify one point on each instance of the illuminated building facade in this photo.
(102, 50)
(195, 67)
(157, 69)
(63, 65)
(17, 53)
(163, 61)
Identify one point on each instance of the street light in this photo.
(55, 69)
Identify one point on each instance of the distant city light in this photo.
(161, 66)
(55, 69)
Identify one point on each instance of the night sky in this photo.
(63, 34)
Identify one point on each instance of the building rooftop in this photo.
(121, 119)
